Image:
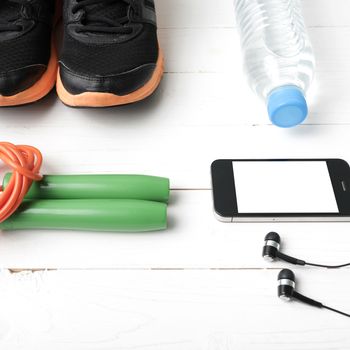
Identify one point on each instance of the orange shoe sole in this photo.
(46, 83)
(103, 99)
(40, 89)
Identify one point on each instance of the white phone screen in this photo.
(284, 187)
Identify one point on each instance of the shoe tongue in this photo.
(113, 11)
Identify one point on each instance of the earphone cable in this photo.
(336, 311)
(328, 266)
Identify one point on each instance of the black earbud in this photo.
(272, 246)
(271, 252)
(286, 284)
(286, 291)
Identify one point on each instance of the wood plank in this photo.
(195, 239)
(194, 13)
(217, 50)
(327, 97)
(182, 310)
(174, 144)
(203, 111)
(211, 87)
(205, 13)
(200, 113)
(325, 13)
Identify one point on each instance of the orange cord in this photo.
(25, 162)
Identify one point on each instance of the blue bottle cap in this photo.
(287, 106)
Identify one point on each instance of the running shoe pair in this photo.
(109, 56)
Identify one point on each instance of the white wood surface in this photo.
(200, 285)
(181, 310)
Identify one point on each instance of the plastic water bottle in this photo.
(278, 56)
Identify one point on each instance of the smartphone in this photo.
(281, 190)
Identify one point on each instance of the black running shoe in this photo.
(110, 54)
(28, 63)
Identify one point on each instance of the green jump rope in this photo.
(130, 203)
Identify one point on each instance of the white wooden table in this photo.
(200, 285)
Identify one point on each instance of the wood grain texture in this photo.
(195, 239)
(202, 13)
(170, 310)
(203, 110)
(201, 285)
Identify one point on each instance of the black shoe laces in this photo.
(99, 23)
(10, 24)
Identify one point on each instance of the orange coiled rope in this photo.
(25, 161)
